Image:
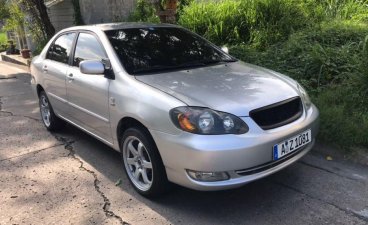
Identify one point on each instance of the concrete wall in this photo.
(62, 15)
(105, 11)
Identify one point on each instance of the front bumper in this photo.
(231, 153)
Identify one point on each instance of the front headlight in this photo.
(305, 96)
(200, 120)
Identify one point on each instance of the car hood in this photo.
(235, 88)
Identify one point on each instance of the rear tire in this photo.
(49, 119)
(142, 163)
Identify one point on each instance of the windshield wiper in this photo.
(157, 68)
(218, 61)
(204, 62)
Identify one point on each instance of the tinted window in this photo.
(60, 49)
(88, 48)
(152, 49)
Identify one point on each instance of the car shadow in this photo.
(182, 205)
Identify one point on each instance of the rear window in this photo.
(154, 49)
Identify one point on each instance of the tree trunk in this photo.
(44, 16)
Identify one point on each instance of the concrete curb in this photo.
(16, 59)
(7, 76)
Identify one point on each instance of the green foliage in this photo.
(3, 41)
(344, 118)
(144, 12)
(222, 22)
(78, 19)
(181, 5)
(34, 22)
(16, 18)
(39, 47)
(323, 55)
(4, 11)
(345, 9)
(330, 60)
(275, 20)
(261, 22)
(264, 22)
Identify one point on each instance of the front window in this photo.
(88, 48)
(154, 49)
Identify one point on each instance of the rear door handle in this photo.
(70, 77)
(44, 68)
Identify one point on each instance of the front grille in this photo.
(278, 114)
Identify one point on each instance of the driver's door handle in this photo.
(70, 77)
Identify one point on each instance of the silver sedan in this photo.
(178, 108)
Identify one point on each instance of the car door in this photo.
(55, 67)
(88, 94)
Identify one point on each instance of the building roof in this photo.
(50, 3)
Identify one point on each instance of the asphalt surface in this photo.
(71, 178)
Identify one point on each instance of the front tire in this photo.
(142, 163)
(49, 119)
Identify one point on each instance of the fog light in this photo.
(208, 176)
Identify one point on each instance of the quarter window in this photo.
(88, 48)
(60, 49)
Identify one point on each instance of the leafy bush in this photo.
(222, 22)
(261, 22)
(39, 47)
(345, 9)
(344, 118)
(330, 60)
(275, 20)
(144, 12)
(3, 41)
(323, 55)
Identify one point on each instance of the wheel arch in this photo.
(128, 122)
(39, 88)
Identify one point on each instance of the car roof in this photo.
(117, 26)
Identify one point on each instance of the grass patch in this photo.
(260, 22)
(3, 41)
(343, 122)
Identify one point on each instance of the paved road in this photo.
(69, 178)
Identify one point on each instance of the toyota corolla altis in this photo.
(178, 108)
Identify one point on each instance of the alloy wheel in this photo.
(45, 110)
(137, 163)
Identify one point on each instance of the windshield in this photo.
(154, 49)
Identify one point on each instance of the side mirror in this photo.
(92, 67)
(225, 49)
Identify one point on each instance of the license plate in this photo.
(292, 144)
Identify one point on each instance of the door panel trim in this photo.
(89, 112)
(87, 131)
(57, 97)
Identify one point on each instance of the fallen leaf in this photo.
(118, 182)
(329, 158)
